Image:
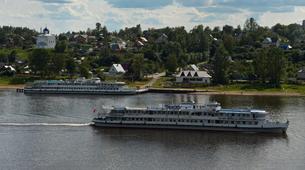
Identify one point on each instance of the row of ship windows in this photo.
(73, 85)
(75, 88)
(219, 114)
(183, 113)
(152, 112)
(185, 120)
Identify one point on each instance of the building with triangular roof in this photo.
(116, 69)
(193, 77)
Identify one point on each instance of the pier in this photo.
(19, 90)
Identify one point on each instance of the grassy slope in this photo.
(4, 81)
(22, 54)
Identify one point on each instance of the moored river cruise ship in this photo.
(191, 116)
(79, 86)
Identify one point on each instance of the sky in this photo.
(74, 15)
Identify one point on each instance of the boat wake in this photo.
(46, 124)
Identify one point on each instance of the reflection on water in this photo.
(52, 132)
(185, 136)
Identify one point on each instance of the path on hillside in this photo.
(154, 77)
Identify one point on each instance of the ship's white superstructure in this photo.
(79, 86)
(191, 116)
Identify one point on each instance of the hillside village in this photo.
(196, 58)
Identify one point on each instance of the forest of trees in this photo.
(228, 53)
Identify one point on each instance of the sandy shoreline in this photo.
(239, 93)
(215, 92)
(9, 87)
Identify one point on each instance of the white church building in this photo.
(46, 40)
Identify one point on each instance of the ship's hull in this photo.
(192, 127)
(110, 92)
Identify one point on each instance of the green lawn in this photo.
(162, 82)
(5, 80)
(289, 88)
(16, 80)
(285, 88)
(138, 83)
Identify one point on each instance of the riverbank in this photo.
(164, 84)
(217, 92)
(201, 91)
(241, 93)
(11, 87)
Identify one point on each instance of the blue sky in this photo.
(65, 15)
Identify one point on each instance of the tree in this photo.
(70, 65)
(198, 40)
(136, 68)
(3, 57)
(171, 63)
(2, 37)
(227, 29)
(252, 32)
(61, 47)
(62, 37)
(12, 57)
(100, 75)
(138, 30)
(39, 60)
(237, 31)
(220, 65)
(228, 42)
(84, 71)
(98, 26)
(276, 65)
(251, 25)
(57, 63)
(261, 65)
(109, 60)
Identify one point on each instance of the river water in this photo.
(52, 132)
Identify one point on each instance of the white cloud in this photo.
(75, 15)
(270, 18)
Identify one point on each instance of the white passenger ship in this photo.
(191, 116)
(79, 86)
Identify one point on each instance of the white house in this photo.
(7, 70)
(301, 74)
(116, 69)
(118, 46)
(193, 77)
(46, 40)
(269, 42)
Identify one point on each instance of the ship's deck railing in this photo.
(76, 82)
